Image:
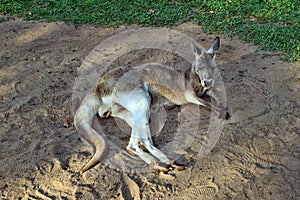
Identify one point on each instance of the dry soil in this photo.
(256, 156)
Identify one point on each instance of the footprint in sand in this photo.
(261, 145)
(244, 173)
(208, 190)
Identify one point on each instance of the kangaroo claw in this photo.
(166, 168)
(177, 167)
(130, 150)
(162, 167)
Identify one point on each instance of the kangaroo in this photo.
(125, 93)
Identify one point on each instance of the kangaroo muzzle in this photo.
(207, 83)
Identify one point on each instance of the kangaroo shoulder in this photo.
(107, 81)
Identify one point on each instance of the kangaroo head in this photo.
(204, 63)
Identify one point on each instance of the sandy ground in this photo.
(256, 157)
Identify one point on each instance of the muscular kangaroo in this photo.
(125, 93)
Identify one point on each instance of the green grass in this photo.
(272, 24)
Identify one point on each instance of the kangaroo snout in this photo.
(207, 83)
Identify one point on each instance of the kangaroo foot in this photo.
(166, 168)
(177, 167)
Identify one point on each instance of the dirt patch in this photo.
(256, 157)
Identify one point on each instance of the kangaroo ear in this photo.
(215, 46)
(196, 50)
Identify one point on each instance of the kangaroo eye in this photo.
(211, 55)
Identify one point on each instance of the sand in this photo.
(256, 156)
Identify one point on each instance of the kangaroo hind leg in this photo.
(137, 103)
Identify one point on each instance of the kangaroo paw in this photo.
(224, 112)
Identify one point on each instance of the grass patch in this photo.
(3, 19)
(272, 24)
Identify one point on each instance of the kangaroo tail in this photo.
(83, 122)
